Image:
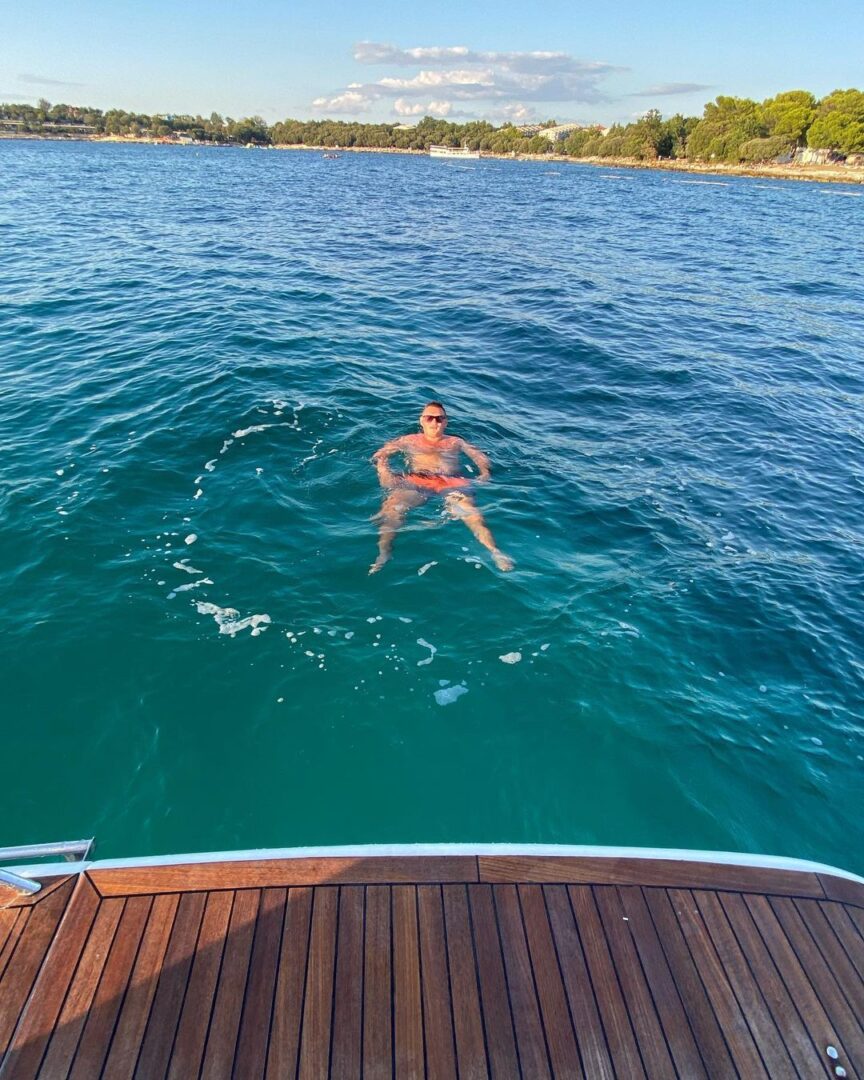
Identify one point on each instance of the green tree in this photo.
(839, 123)
(726, 125)
(790, 114)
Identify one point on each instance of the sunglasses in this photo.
(432, 418)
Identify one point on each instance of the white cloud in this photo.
(538, 62)
(350, 101)
(519, 113)
(43, 80)
(457, 73)
(404, 107)
(671, 88)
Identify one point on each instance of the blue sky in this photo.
(597, 62)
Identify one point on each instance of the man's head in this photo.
(433, 420)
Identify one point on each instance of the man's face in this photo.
(433, 421)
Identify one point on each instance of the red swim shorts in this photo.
(431, 482)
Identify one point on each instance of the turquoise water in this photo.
(667, 374)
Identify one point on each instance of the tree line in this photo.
(731, 129)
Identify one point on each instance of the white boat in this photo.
(453, 152)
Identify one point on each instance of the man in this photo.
(433, 469)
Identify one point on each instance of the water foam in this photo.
(229, 621)
(426, 645)
(449, 694)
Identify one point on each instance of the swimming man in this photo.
(433, 469)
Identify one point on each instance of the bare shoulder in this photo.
(398, 443)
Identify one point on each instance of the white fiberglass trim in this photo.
(730, 858)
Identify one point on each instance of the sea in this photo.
(200, 350)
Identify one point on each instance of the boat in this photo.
(453, 152)
(330, 157)
(440, 960)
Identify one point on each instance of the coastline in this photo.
(831, 174)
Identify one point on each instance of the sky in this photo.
(579, 61)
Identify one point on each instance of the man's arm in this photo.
(381, 461)
(480, 460)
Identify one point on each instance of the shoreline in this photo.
(831, 174)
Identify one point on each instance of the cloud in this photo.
(403, 107)
(519, 113)
(671, 88)
(350, 101)
(457, 73)
(538, 62)
(43, 80)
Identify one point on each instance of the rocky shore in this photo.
(835, 173)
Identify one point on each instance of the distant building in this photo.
(559, 132)
(554, 134)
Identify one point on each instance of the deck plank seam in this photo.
(333, 987)
(95, 988)
(686, 1007)
(837, 913)
(392, 986)
(146, 1026)
(30, 1000)
(110, 1041)
(726, 987)
(504, 966)
(182, 1000)
(446, 943)
(416, 888)
(592, 900)
(216, 983)
(534, 980)
(586, 966)
(305, 985)
(487, 886)
(245, 996)
(780, 979)
(840, 983)
(833, 1011)
(37, 898)
(857, 925)
(730, 983)
(673, 981)
(363, 984)
(808, 982)
(275, 976)
(13, 952)
(648, 984)
(560, 967)
(770, 1010)
(846, 884)
(766, 1008)
(9, 922)
(16, 931)
(483, 1024)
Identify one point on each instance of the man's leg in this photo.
(463, 506)
(391, 517)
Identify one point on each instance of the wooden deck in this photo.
(452, 966)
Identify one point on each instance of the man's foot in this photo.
(379, 562)
(502, 561)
